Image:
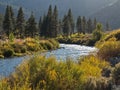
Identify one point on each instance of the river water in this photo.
(7, 66)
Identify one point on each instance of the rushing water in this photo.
(70, 50)
(8, 65)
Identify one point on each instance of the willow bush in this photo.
(109, 49)
(41, 73)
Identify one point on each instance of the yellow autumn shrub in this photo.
(41, 73)
(109, 49)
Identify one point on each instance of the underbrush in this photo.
(20, 47)
(109, 49)
(81, 39)
(41, 73)
(109, 46)
(113, 34)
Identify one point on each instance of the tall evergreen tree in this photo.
(60, 28)
(20, 23)
(54, 23)
(40, 24)
(79, 24)
(94, 23)
(31, 27)
(43, 30)
(84, 24)
(48, 22)
(89, 26)
(1, 22)
(12, 17)
(55, 13)
(7, 22)
(66, 26)
(71, 20)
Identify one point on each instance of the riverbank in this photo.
(22, 47)
(93, 72)
(47, 73)
(79, 39)
(65, 51)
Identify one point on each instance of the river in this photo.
(7, 66)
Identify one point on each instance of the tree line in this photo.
(19, 26)
(49, 24)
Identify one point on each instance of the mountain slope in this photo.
(110, 14)
(103, 10)
(79, 7)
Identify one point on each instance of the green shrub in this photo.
(19, 48)
(32, 46)
(23, 49)
(8, 53)
(11, 37)
(97, 35)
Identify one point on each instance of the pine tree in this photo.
(7, 22)
(79, 24)
(20, 23)
(94, 24)
(71, 20)
(31, 27)
(13, 18)
(60, 28)
(48, 22)
(89, 26)
(43, 30)
(1, 19)
(40, 24)
(54, 23)
(49, 14)
(66, 26)
(55, 13)
(84, 24)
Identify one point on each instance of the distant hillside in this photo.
(79, 7)
(103, 10)
(111, 14)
